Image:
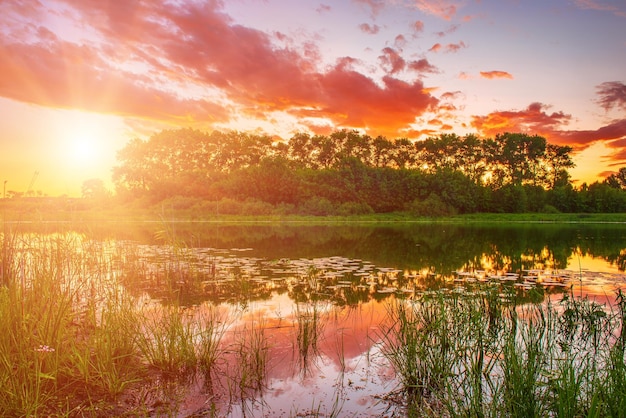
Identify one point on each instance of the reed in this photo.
(309, 328)
(210, 326)
(505, 360)
(166, 339)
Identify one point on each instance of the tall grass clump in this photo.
(165, 338)
(420, 343)
(477, 354)
(36, 317)
(309, 328)
(106, 358)
(247, 364)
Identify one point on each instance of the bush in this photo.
(550, 209)
(354, 208)
(317, 206)
(284, 209)
(431, 206)
(257, 207)
(227, 206)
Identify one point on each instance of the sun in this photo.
(82, 149)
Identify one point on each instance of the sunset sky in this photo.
(79, 78)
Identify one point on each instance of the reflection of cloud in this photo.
(190, 61)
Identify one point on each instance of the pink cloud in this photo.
(375, 5)
(602, 6)
(391, 61)
(536, 120)
(417, 26)
(369, 29)
(448, 48)
(323, 8)
(422, 66)
(448, 31)
(445, 9)
(198, 46)
(612, 94)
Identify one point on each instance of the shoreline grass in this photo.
(539, 360)
(43, 211)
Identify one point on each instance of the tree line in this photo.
(348, 172)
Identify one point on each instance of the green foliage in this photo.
(512, 173)
(432, 206)
(317, 206)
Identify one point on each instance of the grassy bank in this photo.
(77, 210)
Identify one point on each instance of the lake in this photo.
(299, 307)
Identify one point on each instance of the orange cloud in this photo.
(619, 145)
(534, 119)
(436, 48)
(382, 110)
(495, 74)
(164, 61)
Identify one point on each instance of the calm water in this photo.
(594, 254)
(319, 293)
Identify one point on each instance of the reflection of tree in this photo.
(422, 253)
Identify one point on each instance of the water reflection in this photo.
(351, 264)
(299, 307)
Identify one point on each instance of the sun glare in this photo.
(83, 141)
(82, 150)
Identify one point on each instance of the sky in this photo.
(80, 78)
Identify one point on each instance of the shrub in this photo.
(550, 209)
(317, 206)
(257, 207)
(431, 206)
(354, 208)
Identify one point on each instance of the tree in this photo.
(94, 189)
(617, 180)
(519, 157)
(556, 162)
